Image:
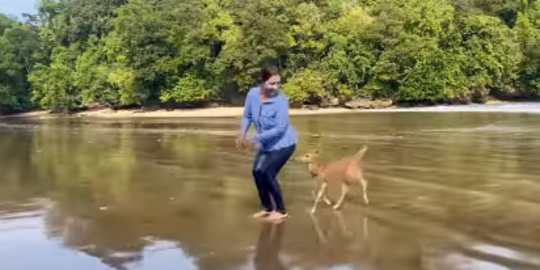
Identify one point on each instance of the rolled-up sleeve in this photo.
(246, 117)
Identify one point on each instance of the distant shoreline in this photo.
(236, 112)
(220, 112)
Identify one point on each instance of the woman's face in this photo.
(272, 85)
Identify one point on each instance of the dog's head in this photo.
(309, 157)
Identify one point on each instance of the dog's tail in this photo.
(361, 153)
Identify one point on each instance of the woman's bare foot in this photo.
(277, 216)
(261, 214)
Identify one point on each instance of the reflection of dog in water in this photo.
(267, 252)
(345, 172)
(342, 226)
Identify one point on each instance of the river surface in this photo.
(448, 191)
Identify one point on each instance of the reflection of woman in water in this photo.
(268, 110)
(267, 252)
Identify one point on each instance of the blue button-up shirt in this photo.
(271, 120)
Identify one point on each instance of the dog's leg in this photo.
(364, 184)
(344, 190)
(326, 200)
(322, 190)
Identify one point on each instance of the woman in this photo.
(268, 110)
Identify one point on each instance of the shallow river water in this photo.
(448, 191)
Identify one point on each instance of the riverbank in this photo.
(222, 112)
(235, 112)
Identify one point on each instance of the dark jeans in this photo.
(265, 171)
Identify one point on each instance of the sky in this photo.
(17, 7)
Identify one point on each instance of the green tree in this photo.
(53, 84)
(18, 43)
(528, 32)
(120, 52)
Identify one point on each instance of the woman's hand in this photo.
(241, 143)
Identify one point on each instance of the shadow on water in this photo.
(448, 191)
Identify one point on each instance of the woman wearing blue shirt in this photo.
(267, 108)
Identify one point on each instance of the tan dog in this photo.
(345, 172)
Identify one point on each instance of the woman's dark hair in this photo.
(268, 72)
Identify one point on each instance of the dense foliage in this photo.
(141, 52)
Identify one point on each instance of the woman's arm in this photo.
(246, 117)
